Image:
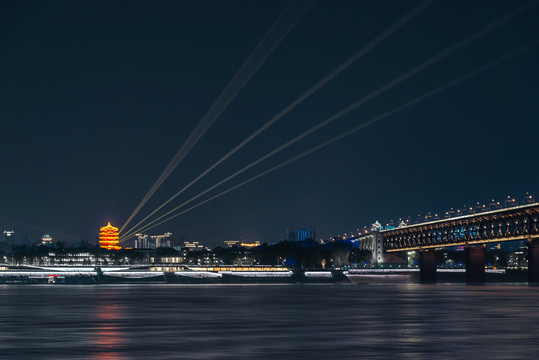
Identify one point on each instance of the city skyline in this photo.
(508, 202)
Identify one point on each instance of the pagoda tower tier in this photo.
(108, 237)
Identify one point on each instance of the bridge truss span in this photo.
(516, 223)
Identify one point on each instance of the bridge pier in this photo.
(533, 261)
(427, 266)
(475, 264)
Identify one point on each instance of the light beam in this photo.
(365, 49)
(431, 61)
(360, 127)
(293, 12)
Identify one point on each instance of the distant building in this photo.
(158, 241)
(46, 239)
(8, 235)
(250, 245)
(193, 246)
(231, 243)
(142, 241)
(300, 235)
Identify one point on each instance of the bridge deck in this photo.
(516, 223)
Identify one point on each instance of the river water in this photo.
(324, 321)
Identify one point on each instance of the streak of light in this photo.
(431, 61)
(362, 126)
(293, 12)
(365, 49)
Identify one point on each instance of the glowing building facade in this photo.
(250, 245)
(46, 239)
(300, 235)
(108, 237)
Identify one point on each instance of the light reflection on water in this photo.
(108, 333)
(409, 321)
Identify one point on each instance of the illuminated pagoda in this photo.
(108, 237)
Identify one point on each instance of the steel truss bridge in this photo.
(516, 223)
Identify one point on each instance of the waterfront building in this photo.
(108, 237)
(167, 260)
(246, 260)
(202, 258)
(68, 258)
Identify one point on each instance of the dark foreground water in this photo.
(330, 321)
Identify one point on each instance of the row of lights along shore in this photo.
(508, 202)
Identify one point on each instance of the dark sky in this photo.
(97, 97)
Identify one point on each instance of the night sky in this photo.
(97, 97)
